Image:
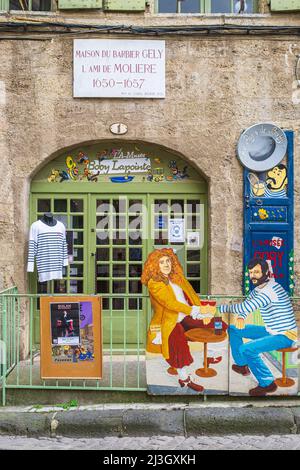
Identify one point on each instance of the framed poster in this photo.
(71, 337)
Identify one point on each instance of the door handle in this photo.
(93, 254)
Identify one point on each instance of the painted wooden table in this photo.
(205, 336)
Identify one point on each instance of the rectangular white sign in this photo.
(119, 68)
(176, 231)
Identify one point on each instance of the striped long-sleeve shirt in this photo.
(275, 308)
(48, 246)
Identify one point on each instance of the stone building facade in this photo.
(216, 86)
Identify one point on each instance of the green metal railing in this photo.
(124, 367)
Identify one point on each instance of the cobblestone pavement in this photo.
(234, 442)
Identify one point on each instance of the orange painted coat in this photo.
(165, 312)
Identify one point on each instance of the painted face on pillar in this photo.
(257, 276)
(277, 178)
(165, 265)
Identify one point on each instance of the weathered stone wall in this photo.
(216, 87)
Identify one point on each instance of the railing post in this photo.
(3, 349)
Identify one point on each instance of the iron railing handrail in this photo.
(10, 330)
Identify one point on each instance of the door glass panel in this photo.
(119, 287)
(135, 238)
(63, 219)
(102, 254)
(78, 254)
(76, 270)
(76, 221)
(135, 222)
(220, 6)
(76, 205)
(190, 6)
(161, 238)
(135, 270)
(177, 206)
(102, 222)
(193, 270)
(78, 238)
(119, 205)
(42, 288)
(102, 287)
(118, 304)
(102, 238)
(135, 304)
(119, 254)
(103, 206)
(119, 270)
(76, 287)
(193, 255)
(119, 221)
(135, 205)
(135, 287)
(44, 205)
(119, 238)
(167, 6)
(60, 205)
(161, 221)
(135, 254)
(161, 206)
(60, 287)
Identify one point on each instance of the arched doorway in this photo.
(118, 201)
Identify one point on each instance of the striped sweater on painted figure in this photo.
(275, 308)
(47, 244)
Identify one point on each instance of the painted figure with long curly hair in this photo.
(176, 309)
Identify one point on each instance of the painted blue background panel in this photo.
(269, 226)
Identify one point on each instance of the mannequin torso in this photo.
(48, 219)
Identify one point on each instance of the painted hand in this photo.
(240, 323)
(195, 312)
(206, 320)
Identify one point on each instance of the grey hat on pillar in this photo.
(261, 147)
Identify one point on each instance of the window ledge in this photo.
(213, 15)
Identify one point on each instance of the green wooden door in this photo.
(118, 249)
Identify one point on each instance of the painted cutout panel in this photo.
(269, 219)
(263, 334)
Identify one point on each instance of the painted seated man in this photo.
(279, 331)
(176, 309)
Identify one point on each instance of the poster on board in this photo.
(71, 337)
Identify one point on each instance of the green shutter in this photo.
(4, 5)
(284, 5)
(78, 4)
(128, 5)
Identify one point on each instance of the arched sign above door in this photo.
(118, 162)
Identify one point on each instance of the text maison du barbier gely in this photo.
(148, 54)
